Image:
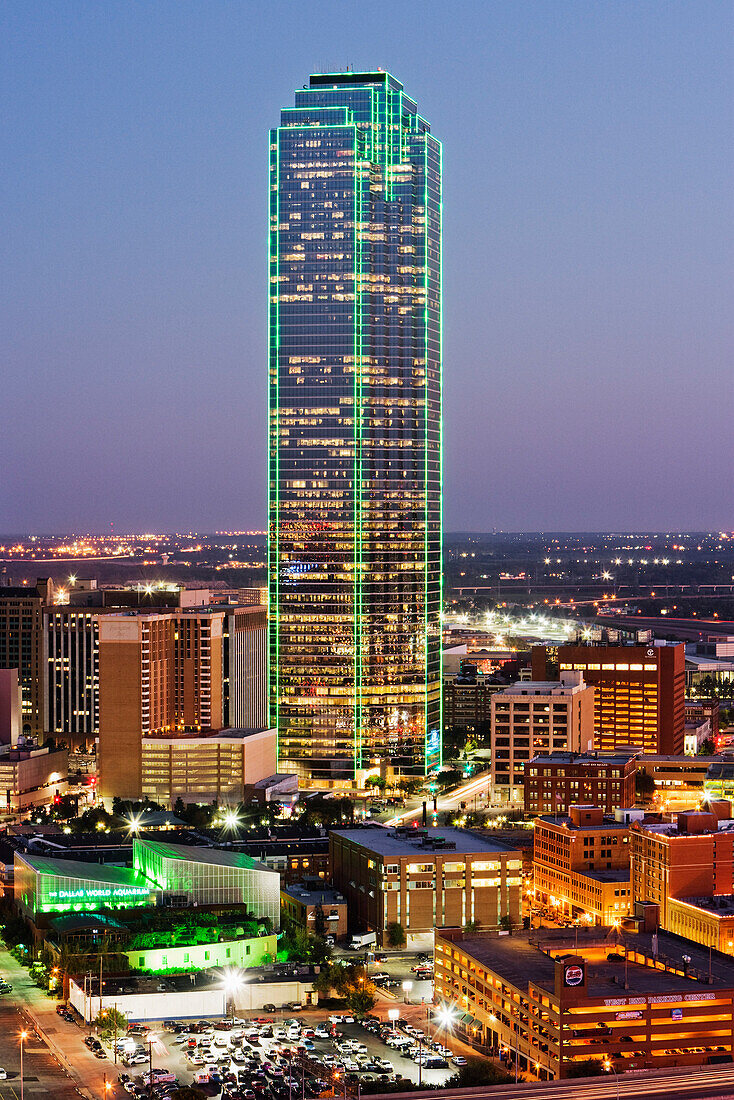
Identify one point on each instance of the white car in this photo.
(3, 1075)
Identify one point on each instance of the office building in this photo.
(678, 782)
(639, 692)
(467, 701)
(581, 865)
(244, 667)
(21, 647)
(217, 768)
(537, 717)
(160, 674)
(424, 879)
(11, 707)
(354, 542)
(555, 781)
(545, 1004)
(698, 710)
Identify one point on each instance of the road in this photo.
(477, 788)
(712, 1082)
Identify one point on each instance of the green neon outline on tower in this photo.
(355, 437)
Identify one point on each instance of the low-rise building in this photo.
(546, 1003)
(31, 777)
(45, 885)
(581, 865)
(691, 857)
(553, 782)
(534, 717)
(423, 879)
(301, 901)
(678, 780)
(698, 710)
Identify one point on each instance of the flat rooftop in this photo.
(588, 759)
(529, 957)
(211, 856)
(542, 687)
(312, 895)
(722, 904)
(388, 842)
(566, 822)
(74, 868)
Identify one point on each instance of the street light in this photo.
(232, 982)
(407, 986)
(23, 1035)
(608, 1066)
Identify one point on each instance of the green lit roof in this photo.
(76, 868)
(191, 854)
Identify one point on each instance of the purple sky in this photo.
(588, 250)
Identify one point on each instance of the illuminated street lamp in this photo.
(23, 1035)
(232, 982)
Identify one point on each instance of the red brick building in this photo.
(555, 781)
(639, 696)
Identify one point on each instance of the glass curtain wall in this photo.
(354, 547)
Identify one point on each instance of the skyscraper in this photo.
(355, 431)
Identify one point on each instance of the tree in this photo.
(360, 998)
(179, 807)
(644, 786)
(471, 926)
(110, 1020)
(478, 1071)
(506, 923)
(319, 921)
(396, 934)
(590, 1067)
(376, 781)
(707, 747)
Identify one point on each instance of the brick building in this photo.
(425, 878)
(581, 864)
(639, 692)
(534, 717)
(553, 782)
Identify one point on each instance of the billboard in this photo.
(573, 975)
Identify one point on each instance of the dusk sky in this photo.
(588, 254)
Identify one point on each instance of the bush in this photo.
(396, 934)
(590, 1067)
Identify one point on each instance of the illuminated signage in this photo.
(99, 892)
(634, 1014)
(573, 975)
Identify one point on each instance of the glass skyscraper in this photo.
(354, 541)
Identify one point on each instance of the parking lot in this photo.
(297, 1057)
(42, 1073)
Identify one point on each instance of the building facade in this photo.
(210, 769)
(581, 865)
(160, 675)
(425, 879)
(354, 540)
(545, 1005)
(537, 717)
(555, 781)
(639, 692)
(244, 668)
(300, 903)
(21, 647)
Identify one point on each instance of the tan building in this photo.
(679, 781)
(534, 717)
(424, 879)
(207, 769)
(581, 864)
(160, 674)
(300, 902)
(31, 777)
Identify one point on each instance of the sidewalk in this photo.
(64, 1040)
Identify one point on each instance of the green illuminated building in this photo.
(354, 543)
(44, 885)
(186, 875)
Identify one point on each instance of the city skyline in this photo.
(588, 256)
(354, 543)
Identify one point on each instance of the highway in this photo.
(712, 1082)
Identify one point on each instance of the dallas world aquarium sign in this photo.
(104, 893)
